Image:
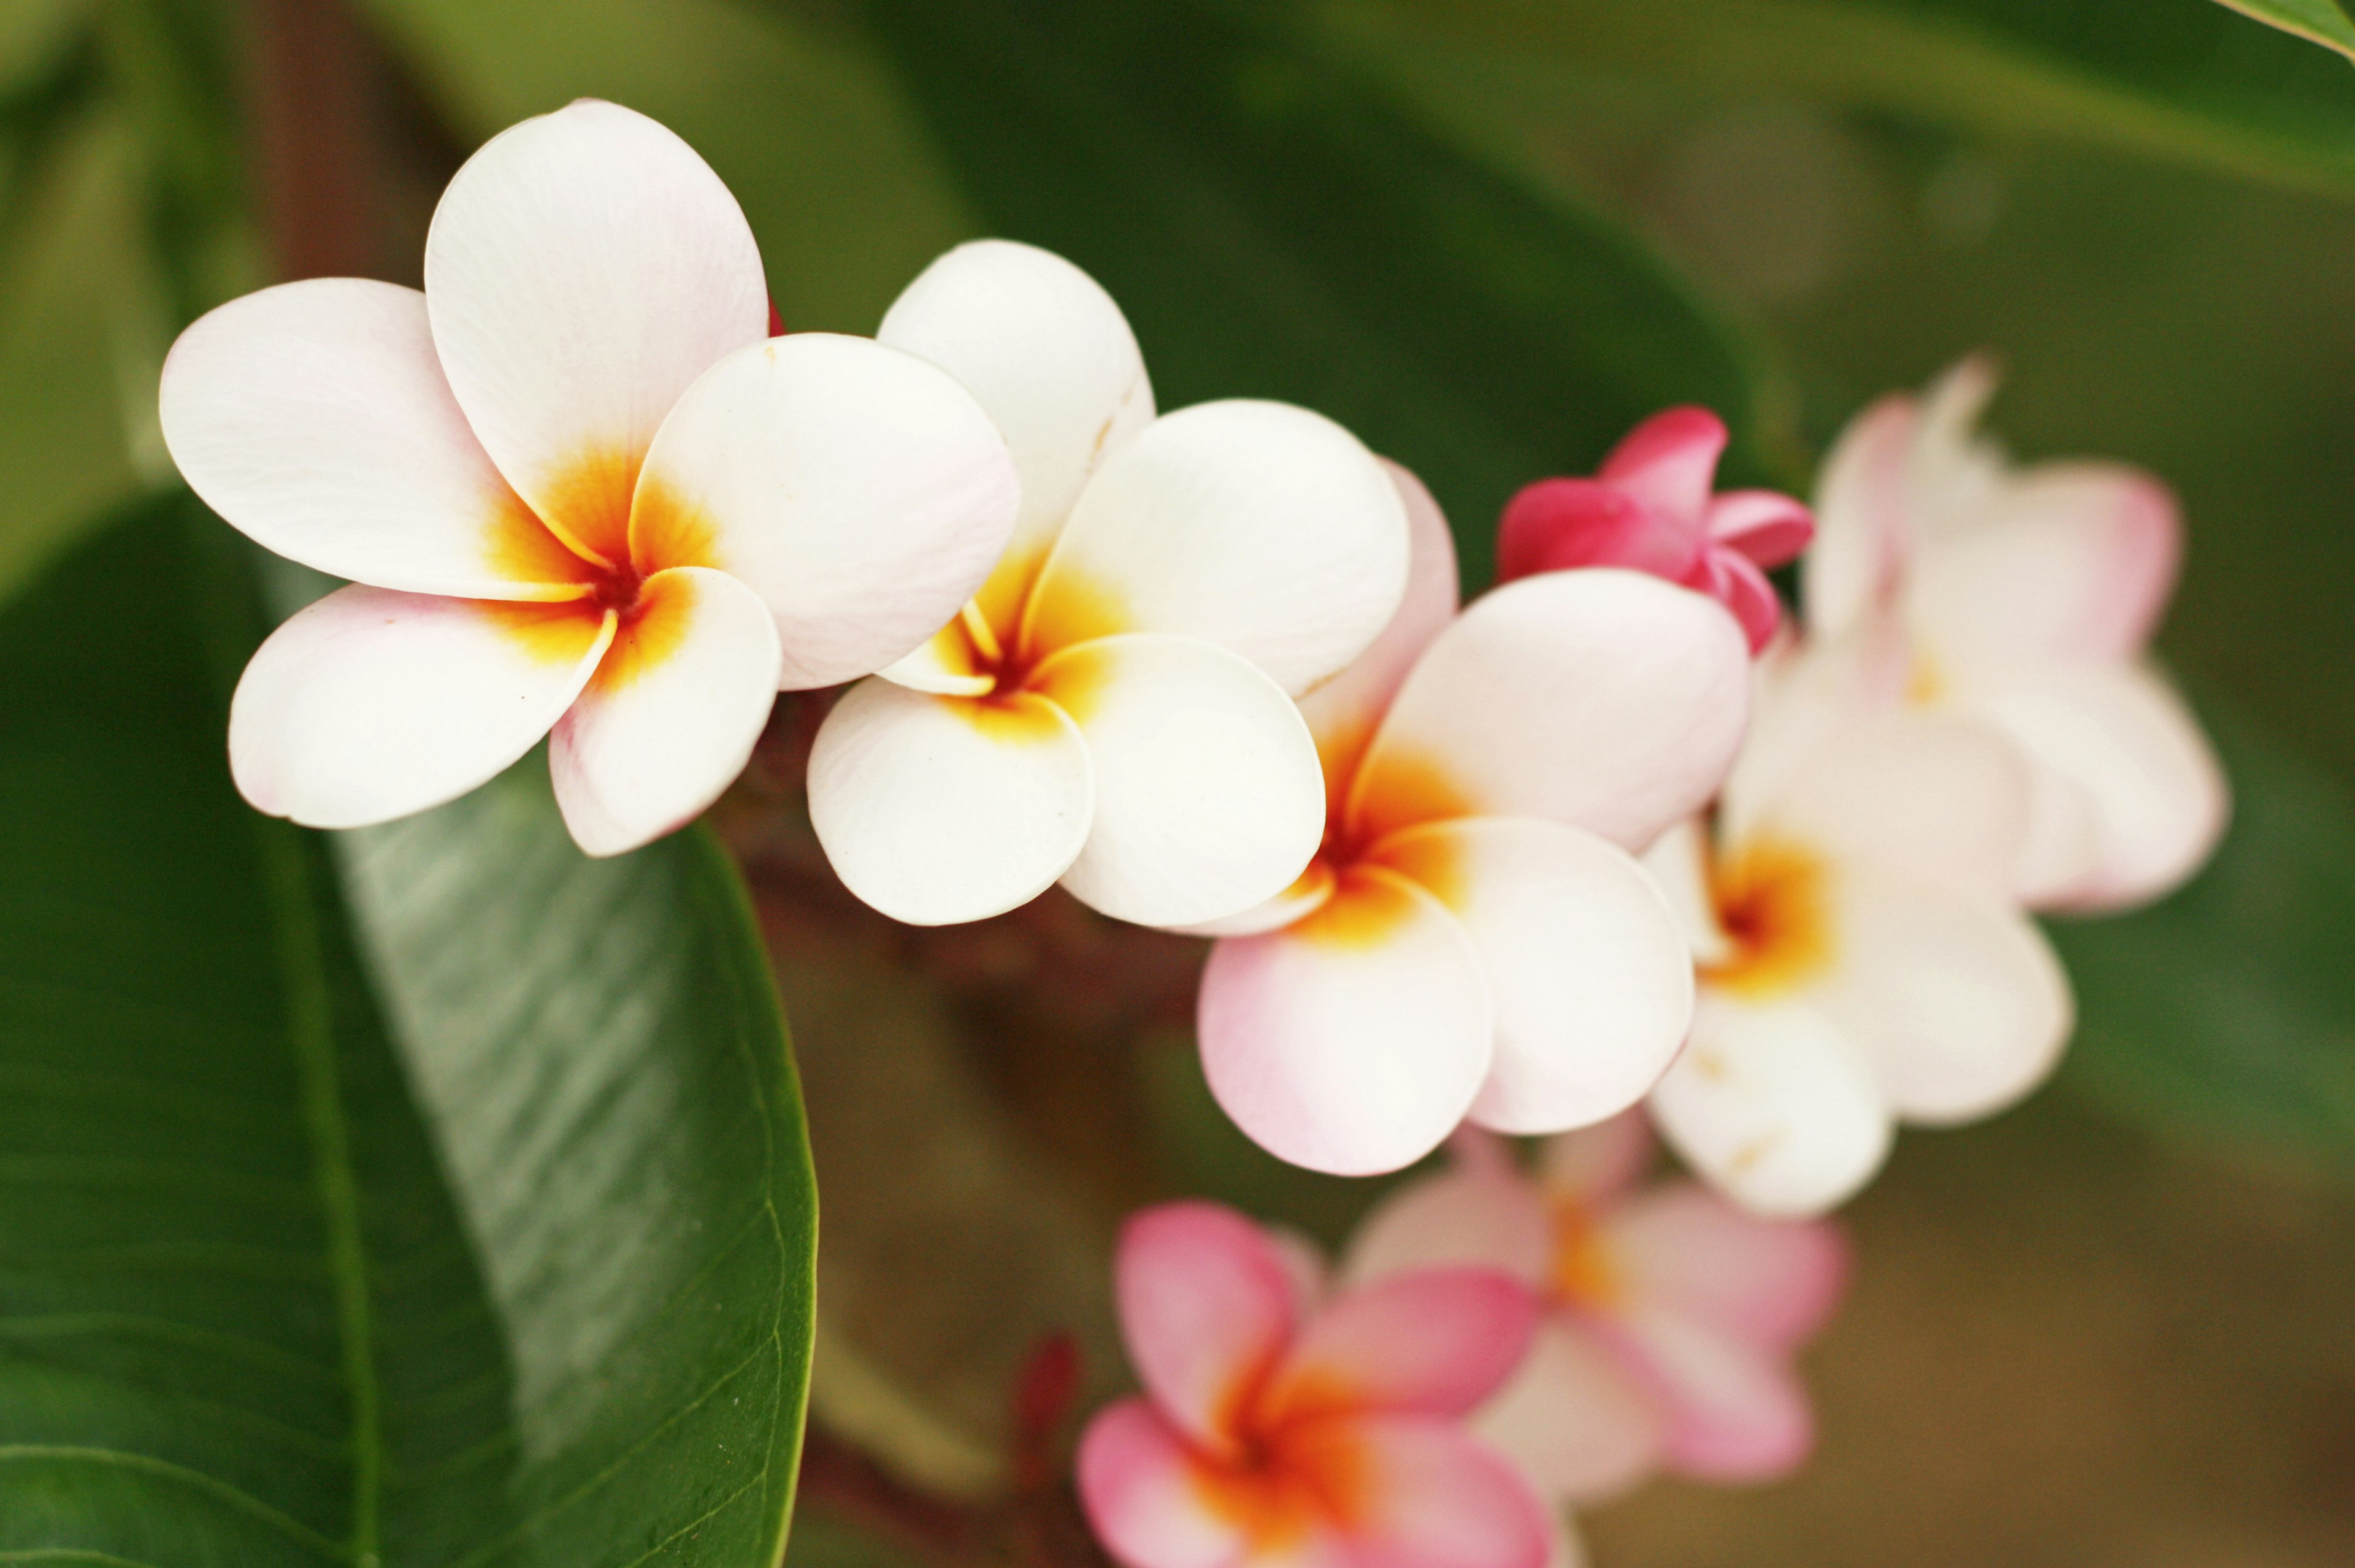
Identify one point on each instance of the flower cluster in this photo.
(1610, 836)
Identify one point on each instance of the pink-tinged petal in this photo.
(1669, 462)
(1930, 794)
(371, 704)
(671, 715)
(1600, 700)
(860, 492)
(1737, 584)
(1590, 976)
(1263, 527)
(2153, 794)
(1558, 525)
(1207, 1310)
(1141, 1488)
(1735, 1411)
(1775, 1106)
(1767, 527)
(1354, 1040)
(1342, 712)
(1863, 526)
(1685, 1250)
(1207, 796)
(1575, 1417)
(1491, 1218)
(941, 809)
(1431, 1497)
(583, 268)
(1593, 1166)
(1808, 693)
(1955, 999)
(1051, 358)
(1435, 1341)
(315, 418)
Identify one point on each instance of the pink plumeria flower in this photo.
(1278, 1429)
(577, 490)
(1671, 1321)
(1650, 508)
(1113, 708)
(1861, 957)
(1473, 937)
(2026, 598)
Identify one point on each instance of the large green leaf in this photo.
(2323, 22)
(1276, 226)
(2228, 1011)
(536, 1290)
(2185, 82)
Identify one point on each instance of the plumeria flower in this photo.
(2026, 598)
(1650, 508)
(1113, 708)
(1861, 957)
(1671, 1320)
(1277, 1428)
(577, 489)
(1473, 936)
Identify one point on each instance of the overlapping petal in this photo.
(1735, 1413)
(1684, 1250)
(1436, 1342)
(672, 714)
(373, 704)
(1603, 699)
(940, 809)
(1489, 1218)
(1353, 1040)
(1142, 1490)
(1589, 976)
(583, 268)
(1207, 796)
(1261, 526)
(860, 492)
(1854, 568)
(1432, 1497)
(1207, 1310)
(313, 416)
(1576, 1417)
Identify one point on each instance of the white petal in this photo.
(1957, 1001)
(1863, 532)
(1263, 527)
(1598, 699)
(582, 269)
(940, 809)
(671, 717)
(1051, 358)
(1774, 1106)
(372, 704)
(315, 418)
(2121, 739)
(1303, 898)
(1591, 980)
(857, 490)
(1208, 797)
(1353, 1042)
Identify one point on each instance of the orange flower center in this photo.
(1285, 1484)
(1581, 1274)
(1771, 900)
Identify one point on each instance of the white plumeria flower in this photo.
(576, 489)
(1862, 959)
(1111, 710)
(1474, 937)
(2026, 599)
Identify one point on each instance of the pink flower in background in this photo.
(1671, 1316)
(2025, 598)
(1649, 507)
(1277, 1428)
(1473, 937)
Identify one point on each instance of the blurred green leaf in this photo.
(2179, 81)
(536, 1290)
(1277, 226)
(2323, 22)
(797, 116)
(2227, 1012)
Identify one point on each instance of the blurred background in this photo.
(2115, 1327)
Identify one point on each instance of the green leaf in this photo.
(536, 1289)
(2227, 1012)
(2182, 81)
(1275, 226)
(2323, 22)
